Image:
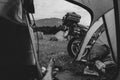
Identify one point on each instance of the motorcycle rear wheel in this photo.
(73, 47)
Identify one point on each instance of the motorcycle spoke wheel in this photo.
(74, 47)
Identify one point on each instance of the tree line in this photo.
(48, 29)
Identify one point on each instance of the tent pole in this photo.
(117, 22)
(33, 45)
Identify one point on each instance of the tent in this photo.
(16, 58)
(103, 12)
(17, 61)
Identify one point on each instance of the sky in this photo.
(57, 9)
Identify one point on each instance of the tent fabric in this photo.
(117, 21)
(13, 9)
(110, 22)
(16, 58)
(88, 36)
(29, 6)
(110, 11)
(98, 7)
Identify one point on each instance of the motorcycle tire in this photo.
(73, 47)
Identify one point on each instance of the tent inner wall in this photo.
(111, 27)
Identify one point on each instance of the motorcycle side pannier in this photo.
(72, 17)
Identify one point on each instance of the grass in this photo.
(48, 49)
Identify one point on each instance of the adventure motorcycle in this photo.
(74, 32)
(76, 38)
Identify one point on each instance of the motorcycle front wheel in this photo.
(73, 47)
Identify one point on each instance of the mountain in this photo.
(48, 22)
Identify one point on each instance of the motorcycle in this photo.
(74, 32)
(75, 39)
